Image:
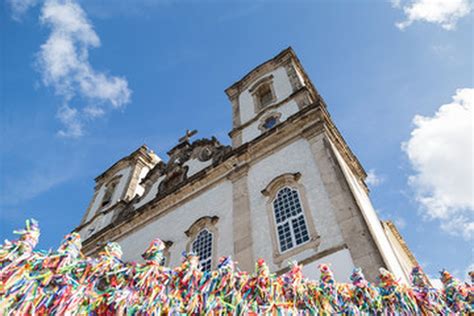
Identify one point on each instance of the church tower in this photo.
(116, 186)
(288, 189)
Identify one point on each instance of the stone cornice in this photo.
(261, 69)
(286, 56)
(391, 226)
(345, 150)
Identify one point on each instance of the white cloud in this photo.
(93, 111)
(373, 179)
(70, 119)
(443, 12)
(19, 7)
(64, 64)
(396, 3)
(440, 150)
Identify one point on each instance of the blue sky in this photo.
(164, 66)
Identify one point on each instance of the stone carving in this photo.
(206, 149)
(175, 175)
(175, 170)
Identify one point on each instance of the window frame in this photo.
(204, 223)
(255, 92)
(293, 237)
(264, 95)
(115, 181)
(292, 181)
(274, 114)
(212, 241)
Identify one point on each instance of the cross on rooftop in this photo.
(187, 136)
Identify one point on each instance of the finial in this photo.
(187, 136)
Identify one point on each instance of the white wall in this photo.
(99, 222)
(139, 189)
(340, 263)
(216, 201)
(195, 165)
(296, 157)
(150, 194)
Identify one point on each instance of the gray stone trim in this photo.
(353, 228)
(242, 221)
(295, 81)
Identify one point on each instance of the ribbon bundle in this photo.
(64, 282)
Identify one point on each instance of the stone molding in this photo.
(295, 82)
(349, 217)
(147, 157)
(275, 184)
(258, 71)
(265, 80)
(236, 121)
(241, 217)
(255, 92)
(238, 172)
(199, 224)
(314, 257)
(391, 226)
(276, 115)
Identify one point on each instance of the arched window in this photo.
(290, 221)
(202, 247)
(203, 235)
(263, 93)
(109, 192)
(290, 217)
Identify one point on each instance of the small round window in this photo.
(270, 122)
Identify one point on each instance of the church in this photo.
(288, 189)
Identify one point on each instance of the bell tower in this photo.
(300, 172)
(267, 96)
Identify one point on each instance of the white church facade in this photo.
(287, 189)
